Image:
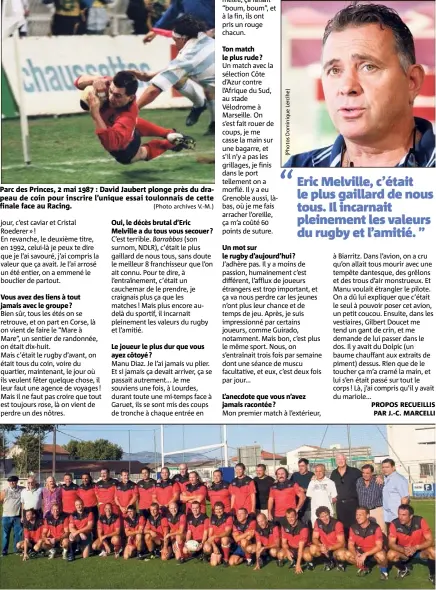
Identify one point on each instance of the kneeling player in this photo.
(117, 124)
(295, 542)
(197, 530)
(55, 532)
(108, 533)
(328, 539)
(81, 525)
(244, 528)
(33, 540)
(156, 527)
(220, 532)
(267, 537)
(134, 525)
(174, 540)
(410, 537)
(365, 541)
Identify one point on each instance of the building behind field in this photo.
(412, 447)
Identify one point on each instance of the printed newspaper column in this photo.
(271, 348)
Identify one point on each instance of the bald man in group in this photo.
(345, 478)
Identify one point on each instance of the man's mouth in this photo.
(351, 112)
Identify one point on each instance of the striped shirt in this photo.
(423, 156)
(196, 61)
(369, 496)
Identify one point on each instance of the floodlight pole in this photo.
(162, 445)
(21, 100)
(226, 449)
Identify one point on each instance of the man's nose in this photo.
(350, 83)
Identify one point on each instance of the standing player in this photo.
(295, 542)
(410, 537)
(196, 491)
(267, 537)
(328, 539)
(55, 532)
(134, 525)
(146, 490)
(156, 527)
(69, 494)
(105, 491)
(174, 540)
(197, 529)
(33, 539)
(182, 478)
(109, 533)
(219, 491)
(303, 477)
(283, 495)
(242, 491)
(321, 491)
(244, 528)
(220, 531)
(126, 493)
(81, 525)
(365, 542)
(166, 491)
(117, 124)
(86, 493)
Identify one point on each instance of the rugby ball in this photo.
(84, 97)
(192, 546)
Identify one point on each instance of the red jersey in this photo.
(219, 525)
(242, 527)
(284, 495)
(177, 521)
(134, 525)
(87, 495)
(181, 480)
(146, 490)
(197, 526)
(79, 521)
(328, 533)
(165, 490)
(267, 536)
(126, 493)
(197, 489)
(409, 535)
(108, 526)
(293, 535)
(241, 489)
(69, 495)
(105, 492)
(365, 538)
(56, 528)
(159, 525)
(220, 492)
(33, 530)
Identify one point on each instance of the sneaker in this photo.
(327, 567)
(280, 563)
(292, 564)
(65, 554)
(261, 564)
(71, 557)
(431, 579)
(362, 571)
(181, 142)
(194, 115)
(211, 129)
(103, 553)
(32, 554)
(403, 573)
(225, 563)
(180, 561)
(249, 563)
(384, 576)
(51, 553)
(310, 566)
(341, 567)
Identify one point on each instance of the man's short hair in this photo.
(303, 460)
(189, 26)
(322, 509)
(217, 471)
(68, 475)
(126, 80)
(363, 508)
(357, 15)
(154, 505)
(145, 469)
(196, 502)
(220, 504)
(390, 461)
(262, 466)
(368, 466)
(243, 510)
(407, 507)
(105, 469)
(241, 465)
(124, 471)
(283, 469)
(32, 510)
(131, 507)
(291, 511)
(321, 465)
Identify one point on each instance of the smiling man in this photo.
(370, 80)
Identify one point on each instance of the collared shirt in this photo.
(12, 501)
(423, 156)
(322, 491)
(32, 498)
(346, 483)
(370, 496)
(395, 488)
(50, 497)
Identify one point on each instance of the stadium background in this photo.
(302, 30)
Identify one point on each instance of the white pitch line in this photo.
(64, 163)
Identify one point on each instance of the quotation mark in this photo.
(286, 174)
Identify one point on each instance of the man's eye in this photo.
(369, 67)
(333, 71)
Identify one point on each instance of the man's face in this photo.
(131, 513)
(179, 41)
(67, 480)
(164, 474)
(55, 510)
(262, 521)
(367, 474)
(108, 510)
(104, 475)
(361, 517)
(195, 510)
(241, 515)
(218, 510)
(13, 484)
(173, 508)
(79, 505)
(366, 90)
(324, 517)
(291, 518)
(30, 517)
(404, 517)
(319, 472)
(193, 478)
(118, 97)
(217, 476)
(387, 468)
(239, 471)
(302, 468)
(86, 480)
(154, 511)
(183, 469)
(145, 474)
(31, 482)
(124, 477)
(341, 461)
(260, 472)
(281, 475)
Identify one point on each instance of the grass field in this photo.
(66, 150)
(109, 573)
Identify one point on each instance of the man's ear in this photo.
(416, 76)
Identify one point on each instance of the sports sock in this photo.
(226, 553)
(430, 563)
(248, 556)
(194, 92)
(211, 109)
(157, 147)
(384, 570)
(401, 565)
(147, 129)
(180, 547)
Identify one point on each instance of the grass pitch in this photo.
(96, 572)
(66, 150)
